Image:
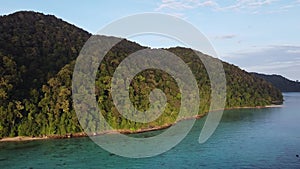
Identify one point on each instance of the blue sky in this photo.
(256, 35)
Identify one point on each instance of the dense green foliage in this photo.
(33, 48)
(40, 45)
(282, 83)
(37, 57)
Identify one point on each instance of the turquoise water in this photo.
(246, 138)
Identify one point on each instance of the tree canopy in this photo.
(282, 83)
(37, 58)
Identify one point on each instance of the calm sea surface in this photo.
(246, 138)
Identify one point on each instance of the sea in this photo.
(245, 138)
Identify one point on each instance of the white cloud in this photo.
(294, 51)
(247, 4)
(178, 14)
(251, 6)
(275, 59)
(274, 66)
(288, 69)
(174, 4)
(287, 6)
(222, 37)
(185, 4)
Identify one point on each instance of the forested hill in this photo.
(40, 45)
(282, 83)
(37, 56)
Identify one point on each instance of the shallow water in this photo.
(245, 138)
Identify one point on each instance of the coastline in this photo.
(123, 131)
(21, 138)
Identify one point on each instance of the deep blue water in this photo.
(245, 138)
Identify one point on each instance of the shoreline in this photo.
(122, 131)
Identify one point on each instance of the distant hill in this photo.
(37, 57)
(282, 83)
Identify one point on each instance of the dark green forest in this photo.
(282, 83)
(37, 58)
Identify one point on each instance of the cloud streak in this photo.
(248, 4)
(277, 59)
(252, 6)
(185, 4)
(224, 37)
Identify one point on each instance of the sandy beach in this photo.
(21, 138)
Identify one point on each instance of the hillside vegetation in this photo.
(37, 57)
(282, 83)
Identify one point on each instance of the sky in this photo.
(256, 35)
